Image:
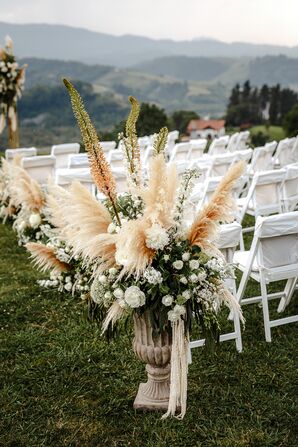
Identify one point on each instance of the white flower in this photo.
(166, 257)
(193, 278)
(68, 279)
(152, 276)
(202, 275)
(173, 316)
(35, 220)
(183, 280)
(102, 279)
(186, 256)
(118, 293)
(134, 297)
(157, 237)
(167, 300)
(180, 310)
(108, 295)
(186, 294)
(111, 228)
(178, 265)
(121, 257)
(22, 225)
(68, 286)
(113, 271)
(194, 264)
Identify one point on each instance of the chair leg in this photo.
(238, 333)
(265, 308)
(289, 290)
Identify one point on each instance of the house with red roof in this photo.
(206, 128)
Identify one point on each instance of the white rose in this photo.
(186, 256)
(193, 278)
(35, 220)
(113, 271)
(202, 276)
(178, 265)
(194, 264)
(68, 279)
(68, 286)
(183, 280)
(118, 293)
(180, 310)
(173, 316)
(102, 279)
(167, 300)
(186, 294)
(111, 228)
(134, 297)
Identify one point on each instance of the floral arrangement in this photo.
(12, 79)
(144, 256)
(25, 203)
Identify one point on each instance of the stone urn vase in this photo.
(155, 351)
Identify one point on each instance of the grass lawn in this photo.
(276, 133)
(62, 385)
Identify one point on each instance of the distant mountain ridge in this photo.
(77, 44)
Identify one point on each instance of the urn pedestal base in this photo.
(155, 351)
(154, 394)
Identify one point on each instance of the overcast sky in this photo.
(258, 21)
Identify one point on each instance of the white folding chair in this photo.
(242, 140)
(146, 156)
(294, 153)
(262, 158)
(197, 148)
(273, 256)
(108, 145)
(116, 158)
(62, 152)
(264, 196)
(172, 138)
(233, 142)
(227, 242)
(40, 167)
(290, 188)
(220, 164)
(65, 177)
(78, 161)
(121, 178)
(218, 145)
(181, 152)
(282, 155)
(23, 152)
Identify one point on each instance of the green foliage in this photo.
(269, 132)
(63, 385)
(251, 105)
(151, 119)
(259, 139)
(181, 118)
(291, 122)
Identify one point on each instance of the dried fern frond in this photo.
(219, 209)
(44, 258)
(160, 141)
(100, 168)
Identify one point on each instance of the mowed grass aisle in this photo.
(62, 385)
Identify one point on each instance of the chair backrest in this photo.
(23, 152)
(116, 158)
(244, 155)
(221, 163)
(147, 154)
(209, 186)
(197, 148)
(264, 196)
(294, 145)
(40, 167)
(282, 153)
(278, 240)
(262, 158)
(121, 179)
(181, 152)
(65, 177)
(290, 188)
(232, 144)
(62, 151)
(78, 161)
(228, 239)
(242, 141)
(218, 146)
(108, 145)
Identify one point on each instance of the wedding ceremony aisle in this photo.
(64, 385)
